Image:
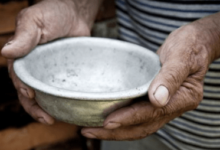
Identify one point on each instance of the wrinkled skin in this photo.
(185, 56)
(39, 24)
(182, 74)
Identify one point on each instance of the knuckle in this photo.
(136, 116)
(159, 112)
(196, 96)
(174, 77)
(26, 11)
(22, 13)
(190, 97)
(140, 113)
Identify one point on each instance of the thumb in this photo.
(167, 82)
(27, 36)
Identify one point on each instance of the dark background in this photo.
(18, 131)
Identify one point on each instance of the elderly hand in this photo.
(185, 57)
(43, 22)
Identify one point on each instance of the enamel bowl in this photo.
(82, 80)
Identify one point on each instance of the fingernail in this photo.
(41, 120)
(8, 43)
(24, 92)
(89, 135)
(161, 95)
(112, 125)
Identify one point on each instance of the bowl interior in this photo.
(91, 65)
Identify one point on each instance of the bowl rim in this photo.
(32, 82)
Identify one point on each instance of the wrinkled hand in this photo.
(176, 89)
(39, 24)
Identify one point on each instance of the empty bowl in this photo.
(82, 80)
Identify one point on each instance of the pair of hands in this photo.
(176, 89)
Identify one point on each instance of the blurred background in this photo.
(18, 131)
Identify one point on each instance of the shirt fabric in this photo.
(148, 23)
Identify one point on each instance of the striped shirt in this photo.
(148, 23)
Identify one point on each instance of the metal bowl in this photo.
(82, 80)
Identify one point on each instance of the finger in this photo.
(20, 86)
(27, 36)
(129, 133)
(126, 133)
(172, 74)
(186, 98)
(32, 108)
(132, 115)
